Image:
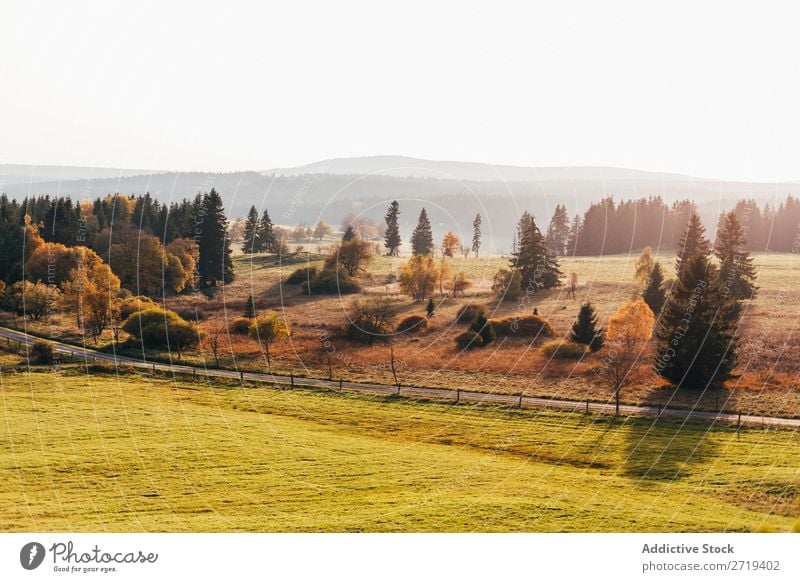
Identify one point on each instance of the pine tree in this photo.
(736, 265)
(250, 231)
(422, 238)
(391, 239)
(538, 268)
(265, 241)
(349, 234)
(250, 308)
(692, 243)
(476, 235)
(430, 308)
(585, 330)
(12, 240)
(558, 231)
(572, 237)
(654, 293)
(696, 335)
(214, 263)
(61, 222)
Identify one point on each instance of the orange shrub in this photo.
(413, 324)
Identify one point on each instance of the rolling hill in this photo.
(453, 192)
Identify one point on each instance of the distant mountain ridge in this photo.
(32, 174)
(452, 192)
(404, 167)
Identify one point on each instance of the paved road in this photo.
(456, 395)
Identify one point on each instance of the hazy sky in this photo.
(710, 89)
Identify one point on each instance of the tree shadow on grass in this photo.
(667, 449)
(709, 400)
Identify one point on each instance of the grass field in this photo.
(131, 453)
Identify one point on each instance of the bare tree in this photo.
(214, 340)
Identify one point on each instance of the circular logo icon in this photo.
(31, 555)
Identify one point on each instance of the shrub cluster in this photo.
(468, 313)
(131, 305)
(370, 321)
(524, 326)
(469, 339)
(331, 282)
(191, 313)
(240, 325)
(413, 324)
(42, 352)
(564, 350)
(159, 328)
(302, 275)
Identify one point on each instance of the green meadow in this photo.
(125, 453)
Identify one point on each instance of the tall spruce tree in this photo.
(537, 267)
(214, 263)
(391, 239)
(250, 231)
(476, 235)
(585, 330)
(572, 237)
(654, 293)
(12, 240)
(692, 243)
(737, 272)
(422, 238)
(250, 308)
(558, 231)
(265, 235)
(697, 329)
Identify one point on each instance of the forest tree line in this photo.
(608, 227)
(154, 248)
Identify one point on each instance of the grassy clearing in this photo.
(131, 453)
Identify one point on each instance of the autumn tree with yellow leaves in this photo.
(92, 293)
(627, 332)
(418, 276)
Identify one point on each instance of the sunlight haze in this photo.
(707, 89)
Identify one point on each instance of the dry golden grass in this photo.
(769, 334)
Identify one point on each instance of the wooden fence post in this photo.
(587, 406)
(519, 403)
(291, 378)
(458, 395)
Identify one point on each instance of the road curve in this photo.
(454, 395)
